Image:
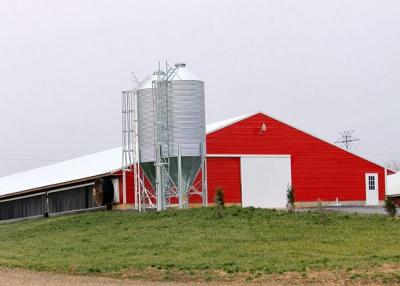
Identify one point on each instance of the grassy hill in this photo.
(244, 240)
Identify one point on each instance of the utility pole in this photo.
(347, 140)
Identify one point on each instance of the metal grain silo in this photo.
(171, 133)
(186, 126)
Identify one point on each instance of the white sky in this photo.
(324, 66)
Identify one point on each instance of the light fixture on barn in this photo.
(263, 128)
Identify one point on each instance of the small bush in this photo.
(290, 198)
(219, 202)
(390, 206)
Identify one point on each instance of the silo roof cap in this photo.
(183, 73)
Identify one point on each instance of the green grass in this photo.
(245, 240)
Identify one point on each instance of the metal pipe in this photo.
(204, 189)
(136, 175)
(124, 187)
(180, 189)
(22, 197)
(159, 196)
(70, 187)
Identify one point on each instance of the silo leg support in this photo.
(180, 189)
(204, 190)
(124, 187)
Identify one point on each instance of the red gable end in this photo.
(320, 170)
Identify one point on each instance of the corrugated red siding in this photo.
(225, 173)
(319, 169)
(130, 188)
(221, 172)
(130, 196)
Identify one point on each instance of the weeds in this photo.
(290, 204)
(390, 206)
(219, 202)
(322, 213)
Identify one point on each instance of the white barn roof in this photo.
(100, 163)
(70, 170)
(212, 127)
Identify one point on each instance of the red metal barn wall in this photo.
(224, 173)
(130, 188)
(319, 169)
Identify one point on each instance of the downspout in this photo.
(385, 183)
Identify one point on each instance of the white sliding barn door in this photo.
(265, 180)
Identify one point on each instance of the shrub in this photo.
(390, 206)
(322, 213)
(290, 198)
(219, 202)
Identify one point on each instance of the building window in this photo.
(371, 183)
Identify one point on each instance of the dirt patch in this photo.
(20, 277)
(387, 274)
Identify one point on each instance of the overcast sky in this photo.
(324, 66)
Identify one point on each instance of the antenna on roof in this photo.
(347, 140)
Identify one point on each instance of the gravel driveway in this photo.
(349, 209)
(358, 209)
(21, 277)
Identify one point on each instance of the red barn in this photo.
(255, 157)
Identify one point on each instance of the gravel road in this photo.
(358, 209)
(21, 277)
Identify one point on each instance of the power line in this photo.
(28, 159)
(380, 155)
(347, 140)
(380, 151)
